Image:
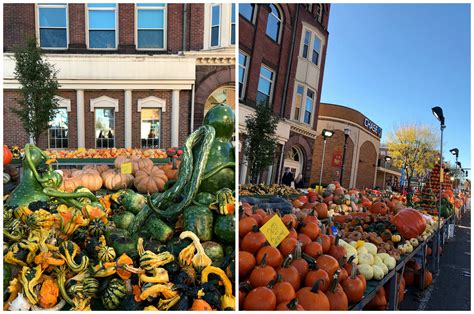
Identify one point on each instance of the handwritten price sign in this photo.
(126, 168)
(274, 231)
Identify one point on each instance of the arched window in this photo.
(274, 23)
(222, 95)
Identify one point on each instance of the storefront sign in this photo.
(337, 159)
(372, 127)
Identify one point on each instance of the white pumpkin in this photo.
(378, 272)
(371, 248)
(366, 270)
(366, 258)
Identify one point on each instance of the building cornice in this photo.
(302, 129)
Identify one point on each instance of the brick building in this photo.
(282, 52)
(385, 169)
(131, 75)
(362, 147)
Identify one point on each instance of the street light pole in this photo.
(386, 158)
(346, 136)
(326, 134)
(438, 113)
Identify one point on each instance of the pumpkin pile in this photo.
(113, 153)
(170, 250)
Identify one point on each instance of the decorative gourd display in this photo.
(114, 180)
(114, 294)
(150, 180)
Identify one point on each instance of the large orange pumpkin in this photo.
(150, 180)
(378, 208)
(409, 222)
(171, 169)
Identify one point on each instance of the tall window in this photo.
(243, 65)
(298, 102)
(311, 40)
(215, 25)
(105, 127)
(265, 84)
(307, 40)
(232, 25)
(53, 25)
(150, 128)
(102, 25)
(247, 11)
(58, 130)
(308, 110)
(274, 23)
(151, 25)
(316, 50)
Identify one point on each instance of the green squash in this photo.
(224, 228)
(122, 242)
(213, 249)
(113, 295)
(155, 228)
(123, 220)
(199, 219)
(133, 202)
(205, 198)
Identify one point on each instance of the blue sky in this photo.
(394, 62)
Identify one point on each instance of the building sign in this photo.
(372, 127)
(337, 159)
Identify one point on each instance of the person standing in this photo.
(287, 177)
(299, 183)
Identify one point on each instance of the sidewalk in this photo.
(451, 287)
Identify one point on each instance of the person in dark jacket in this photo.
(287, 177)
(299, 182)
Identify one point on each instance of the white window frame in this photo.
(319, 12)
(116, 10)
(63, 103)
(161, 125)
(114, 128)
(220, 26)
(270, 97)
(280, 29)
(309, 57)
(304, 43)
(303, 104)
(254, 13)
(151, 102)
(165, 26)
(246, 70)
(38, 27)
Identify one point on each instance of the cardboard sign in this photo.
(274, 231)
(81, 149)
(126, 168)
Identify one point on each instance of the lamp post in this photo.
(346, 136)
(455, 152)
(325, 134)
(438, 113)
(386, 159)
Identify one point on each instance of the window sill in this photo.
(272, 40)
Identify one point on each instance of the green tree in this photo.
(261, 141)
(414, 148)
(37, 77)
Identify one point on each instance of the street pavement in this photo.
(451, 287)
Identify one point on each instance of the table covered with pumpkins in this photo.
(127, 233)
(346, 249)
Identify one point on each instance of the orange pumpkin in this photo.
(171, 169)
(378, 208)
(322, 210)
(114, 180)
(409, 222)
(7, 155)
(260, 298)
(313, 299)
(253, 241)
(246, 263)
(274, 257)
(150, 180)
(91, 179)
(49, 293)
(200, 305)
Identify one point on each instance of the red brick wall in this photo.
(126, 25)
(195, 28)
(165, 116)
(89, 117)
(18, 24)
(14, 134)
(335, 144)
(367, 165)
(184, 115)
(77, 26)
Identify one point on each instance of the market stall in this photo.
(338, 230)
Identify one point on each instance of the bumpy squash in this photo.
(151, 180)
